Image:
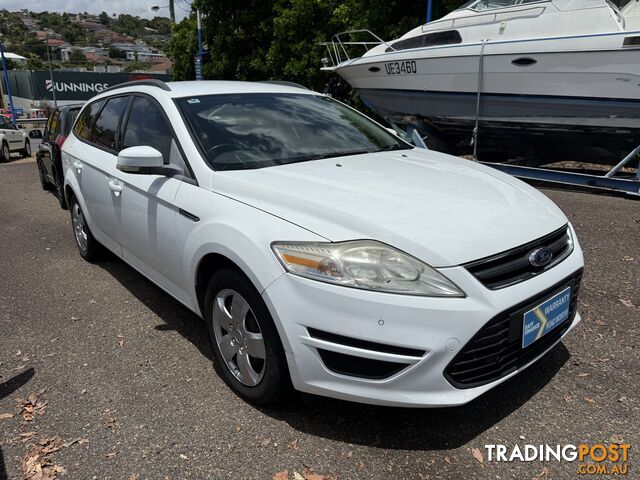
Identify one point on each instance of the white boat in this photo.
(534, 76)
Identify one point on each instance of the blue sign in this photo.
(540, 320)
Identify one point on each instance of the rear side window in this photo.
(67, 119)
(147, 126)
(104, 131)
(82, 129)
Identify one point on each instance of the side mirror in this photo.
(142, 160)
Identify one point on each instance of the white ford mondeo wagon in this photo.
(324, 253)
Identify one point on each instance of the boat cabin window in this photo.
(484, 5)
(428, 40)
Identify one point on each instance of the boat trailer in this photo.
(628, 184)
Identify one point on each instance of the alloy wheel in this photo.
(239, 337)
(79, 226)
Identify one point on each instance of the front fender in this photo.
(234, 230)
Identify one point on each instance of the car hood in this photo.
(441, 209)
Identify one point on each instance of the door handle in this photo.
(115, 187)
(78, 166)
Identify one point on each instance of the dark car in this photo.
(48, 156)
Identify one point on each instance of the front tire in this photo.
(87, 245)
(26, 151)
(248, 353)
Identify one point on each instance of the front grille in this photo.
(496, 350)
(513, 266)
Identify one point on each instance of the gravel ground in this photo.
(116, 365)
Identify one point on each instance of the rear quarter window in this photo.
(84, 124)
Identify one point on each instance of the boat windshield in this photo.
(483, 5)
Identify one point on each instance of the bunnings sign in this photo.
(69, 86)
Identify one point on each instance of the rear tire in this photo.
(44, 183)
(88, 246)
(59, 187)
(5, 153)
(241, 325)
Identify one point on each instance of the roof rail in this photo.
(285, 83)
(151, 82)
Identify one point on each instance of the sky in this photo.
(141, 8)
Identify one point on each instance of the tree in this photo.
(258, 40)
(182, 48)
(34, 63)
(104, 18)
(115, 52)
(76, 56)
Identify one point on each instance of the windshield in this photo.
(482, 5)
(243, 131)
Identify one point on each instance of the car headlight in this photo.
(364, 264)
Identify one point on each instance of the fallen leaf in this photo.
(183, 456)
(36, 463)
(121, 341)
(627, 258)
(134, 476)
(617, 438)
(4, 416)
(582, 375)
(568, 397)
(283, 475)
(349, 454)
(477, 454)
(543, 473)
(589, 400)
(78, 440)
(294, 445)
(627, 303)
(238, 428)
(447, 459)
(297, 476)
(31, 406)
(109, 423)
(111, 455)
(265, 442)
(309, 475)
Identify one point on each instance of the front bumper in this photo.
(426, 334)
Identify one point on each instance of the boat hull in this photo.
(591, 97)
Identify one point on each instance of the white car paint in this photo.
(442, 210)
(14, 138)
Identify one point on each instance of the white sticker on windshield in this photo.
(193, 100)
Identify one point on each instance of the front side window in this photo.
(243, 131)
(83, 126)
(147, 126)
(104, 131)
